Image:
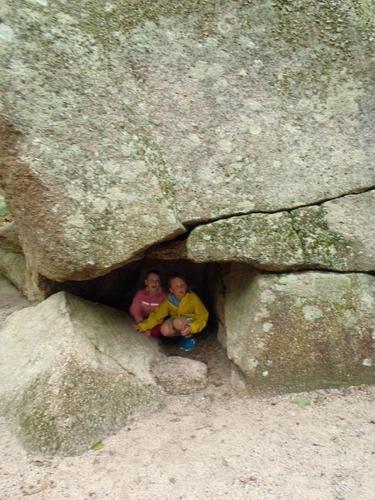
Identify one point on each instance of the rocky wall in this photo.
(298, 330)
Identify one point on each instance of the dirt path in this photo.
(215, 444)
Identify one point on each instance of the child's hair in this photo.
(176, 275)
(152, 271)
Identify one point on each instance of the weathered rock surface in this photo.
(337, 235)
(9, 238)
(125, 121)
(72, 372)
(14, 267)
(178, 375)
(4, 210)
(10, 299)
(267, 241)
(301, 329)
(340, 234)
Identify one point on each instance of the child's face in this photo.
(152, 281)
(178, 287)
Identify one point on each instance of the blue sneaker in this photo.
(187, 343)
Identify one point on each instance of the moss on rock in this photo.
(80, 408)
(219, 108)
(80, 373)
(321, 246)
(300, 330)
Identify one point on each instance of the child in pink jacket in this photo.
(147, 300)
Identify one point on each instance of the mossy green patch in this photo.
(149, 151)
(78, 408)
(265, 240)
(31, 414)
(4, 209)
(321, 246)
(5, 213)
(103, 20)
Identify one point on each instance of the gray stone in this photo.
(266, 241)
(9, 237)
(143, 118)
(11, 299)
(300, 329)
(14, 267)
(178, 375)
(338, 235)
(72, 372)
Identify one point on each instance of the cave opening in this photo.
(118, 287)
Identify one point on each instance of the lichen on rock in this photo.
(337, 235)
(73, 372)
(300, 330)
(135, 120)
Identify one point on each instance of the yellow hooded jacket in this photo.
(190, 306)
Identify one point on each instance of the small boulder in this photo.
(179, 375)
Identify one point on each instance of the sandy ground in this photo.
(216, 444)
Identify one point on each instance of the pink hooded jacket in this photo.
(143, 304)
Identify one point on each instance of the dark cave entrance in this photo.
(117, 288)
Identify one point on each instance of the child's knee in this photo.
(179, 324)
(167, 329)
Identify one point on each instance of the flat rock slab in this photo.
(178, 375)
(338, 235)
(72, 372)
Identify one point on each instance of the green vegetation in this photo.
(5, 213)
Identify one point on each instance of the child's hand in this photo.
(186, 331)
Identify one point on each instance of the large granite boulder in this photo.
(337, 235)
(300, 329)
(123, 122)
(72, 372)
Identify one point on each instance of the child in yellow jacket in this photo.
(182, 313)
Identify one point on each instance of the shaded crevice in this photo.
(193, 225)
(117, 288)
(162, 250)
(315, 269)
(177, 248)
